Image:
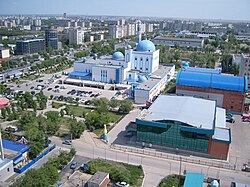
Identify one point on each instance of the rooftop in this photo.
(194, 180)
(31, 40)
(15, 146)
(178, 39)
(203, 70)
(188, 110)
(98, 177)
(213, 81)
(154, 78)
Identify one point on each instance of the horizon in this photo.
(180, 9)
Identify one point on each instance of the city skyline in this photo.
(192, 9)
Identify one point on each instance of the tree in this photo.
(113, 103)
(125, 106)
(27, 118)
(62, 113)
(8, 110)
(76, 128)
(101, 104)
(3, 112)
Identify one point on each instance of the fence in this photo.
(218, 164)
(27, 166)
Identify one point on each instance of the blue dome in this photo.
(185, 64)
(129, 47)
(145, 45)
(118, 56)
(142, 78)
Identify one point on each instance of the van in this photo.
(11, 128)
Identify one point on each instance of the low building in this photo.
(14, 74)
(183, 42)
(4, 53)
(228, 91)
(99, 179)
(29, 46)
(187, 123)
(6, 169)
(243, 60)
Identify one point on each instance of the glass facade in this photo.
(173, 136)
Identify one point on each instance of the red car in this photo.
(246, 118)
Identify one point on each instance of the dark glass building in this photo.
(29, 46)
(51, 38)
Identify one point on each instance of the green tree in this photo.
(101, 104)
(113, 103)
(8, 110)
(76, 128)
(125, 106)
(62, 113)
(3, 112)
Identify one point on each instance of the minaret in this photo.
(138, 30)
(1, 146)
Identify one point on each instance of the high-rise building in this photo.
(76, 36)
(64, 15)
(51, 38)
(29, 46)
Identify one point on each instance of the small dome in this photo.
(129, 47)
(145, 45)
(185, 64)
(118, 56)
(142, 78)
(214, 183)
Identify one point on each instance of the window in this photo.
(135, 58)
(146, 69)
(8, 169)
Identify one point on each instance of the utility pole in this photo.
(179, 184)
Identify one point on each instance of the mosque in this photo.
(139, 67)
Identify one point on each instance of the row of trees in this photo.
(47, 175)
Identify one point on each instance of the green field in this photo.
(57, 105)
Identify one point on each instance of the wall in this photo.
(4, 53)
(6, 170)
(233, 101)
(83, 67)
(141, 96)
(218, 149)
(96, 74)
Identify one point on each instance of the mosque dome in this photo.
(145, 45)
(129, 47)
(142, 78)
(118, 56)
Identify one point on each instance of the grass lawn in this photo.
(131, 174)
(172, 180)
(57, 105)
(78, 110)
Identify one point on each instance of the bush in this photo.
(172, 180)
(118, 171)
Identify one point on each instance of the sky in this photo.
(197, 9)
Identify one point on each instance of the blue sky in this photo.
(201, 9)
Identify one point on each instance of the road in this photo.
(154, 168)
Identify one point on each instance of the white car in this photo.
(11, 128)
(122, 184)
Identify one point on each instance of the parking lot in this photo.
(56, 89)
(239, 152)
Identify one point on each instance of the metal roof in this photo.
(203, 70)
(222, 134)
(214, 81)
(199, 113)
(79, 74)
(14, 146)
(178, 39)
(194, 180)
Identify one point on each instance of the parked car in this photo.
(32, 87)
(73, 165)
(246, 168)
(122, 184)
(230, 119)
(246, 118)
(57, 86)
(11, 128)
(67, 142)
(49, 89)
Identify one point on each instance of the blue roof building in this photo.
(194, 180)
(228, 91)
